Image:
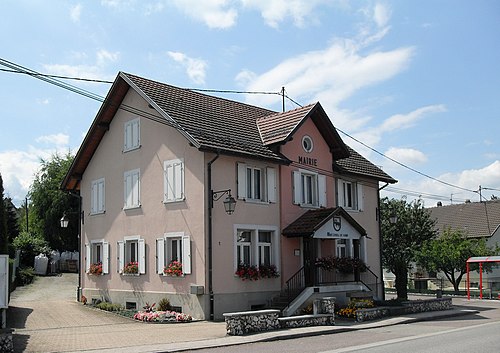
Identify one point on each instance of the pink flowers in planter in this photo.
(173, 269)
(96, 269)
(253, 273)
(131, 268)
(162, 316)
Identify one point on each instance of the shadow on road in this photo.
(16, 316)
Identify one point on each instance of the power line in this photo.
(54, 79)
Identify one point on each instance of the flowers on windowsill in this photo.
(131, 268)
(254, 273)
(95, 269)
(173, 269)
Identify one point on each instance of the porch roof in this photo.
(483, 259)
(307, 224)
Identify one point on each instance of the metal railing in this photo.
(295, 285)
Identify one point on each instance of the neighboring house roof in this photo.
(357, 164)
(308, 223)
(213, 124)
(476, 219)
(278, 128)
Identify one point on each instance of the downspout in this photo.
(209, 254)
(380, 240)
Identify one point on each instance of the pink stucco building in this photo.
(155, 169)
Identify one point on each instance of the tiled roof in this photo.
(214, 123)
(477, 219)
(357, 164)
(312, 220)
(277, 127)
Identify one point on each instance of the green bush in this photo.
(164, 305)
(109, 306)
(30, 246)
(26, 276)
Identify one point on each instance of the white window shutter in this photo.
(271, 185)
(359, 193)
(121, 256)
(340, 193)
(101, 196)
(127, 136)
(142, 256)
(105, 257)
(94, 193)
(135, 189)
(135, 134)
(242, 184)
(322, 190)
(179, 180)
(127, 190)
(160, 255)
(186, 254)
(297, 187)
(168, 188)
(88, 258)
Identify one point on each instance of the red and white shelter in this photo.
(480, 260)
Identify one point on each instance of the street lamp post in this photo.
(64, 222)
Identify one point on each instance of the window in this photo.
(132, 135)
(97, 197)
(343, 247)
(350, 195)
(243, 246)
(307, 144)
(132, 249)
(132, 190)
(309, 189)
(256, 246)
(173, 186)
(97, 251)
(173, 247)
(256, 183)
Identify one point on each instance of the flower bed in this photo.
(162, 316)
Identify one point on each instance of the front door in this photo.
(309, 259)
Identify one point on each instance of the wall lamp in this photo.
(229, 202)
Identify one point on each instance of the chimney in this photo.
(439, 204)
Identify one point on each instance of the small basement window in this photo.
(131, 305)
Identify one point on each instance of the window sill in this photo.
(170, 276)
(131, 274)
(173, 201)
(131, 149)
(97, 213)
(257, 202)
(131, 207)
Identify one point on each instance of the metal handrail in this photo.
(295, 285)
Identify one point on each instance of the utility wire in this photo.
(53, 79)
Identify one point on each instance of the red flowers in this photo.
(253, 273)
(131, 268)
(173, 269)
(96, 269)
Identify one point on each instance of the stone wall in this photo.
(6, 343)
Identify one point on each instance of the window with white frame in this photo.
(132, 254)
(132, 135)
(343, 247)
(256, 183)
(97, 197)
(350, 195)
(309, 189)
(256, 246)
(97, 255)
(173, 184)
(132, 188)
(173, 247)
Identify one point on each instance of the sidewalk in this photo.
(46, 318)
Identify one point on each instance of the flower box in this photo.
(95, 269)
(173, 269)
(131, 268)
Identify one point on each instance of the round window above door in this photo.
(307, 144)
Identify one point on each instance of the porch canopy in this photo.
(325, 223)
(480, 260)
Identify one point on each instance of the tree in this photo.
(402, 238)
(4, 236)
(12, 223)
(49, 203)
(449, 253)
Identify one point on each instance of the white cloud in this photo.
(381, 14)
(75, 13)
(56, 139)
(408, 156)
(117, 4)
(195, 68)
(94, 71)
(214, 13)
(276, 11)
(43, 101)
(405, 121)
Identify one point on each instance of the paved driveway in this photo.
(47, 318)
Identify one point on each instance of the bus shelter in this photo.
(480, 260)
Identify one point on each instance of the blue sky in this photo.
(415, 80)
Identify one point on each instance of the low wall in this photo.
(407, 307)
(240, 323)
(6, 343)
